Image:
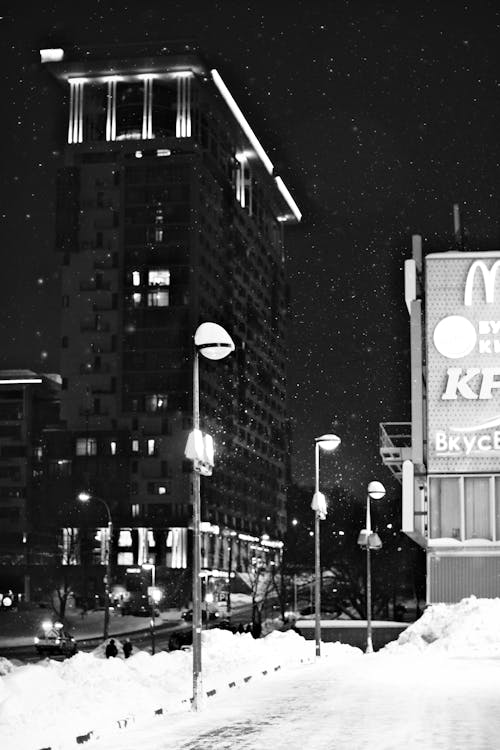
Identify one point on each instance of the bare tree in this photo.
(62, 578)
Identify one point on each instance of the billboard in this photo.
(462, 325)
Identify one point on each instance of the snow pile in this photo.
(51, 703)
(469, 628)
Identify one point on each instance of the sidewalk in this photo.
(17, 629)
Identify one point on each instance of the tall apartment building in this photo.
(29, 402)
(169, 214)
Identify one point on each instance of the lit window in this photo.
(159, 225)
(156, 402)
(162, 490)
(159, 277)
(135, 446)
(86, 447)
(158, 299)
(125, 558)
(135, 510)
(151, 447)
(125, 538)
(136, 278)
(112, 446)
(136, 299)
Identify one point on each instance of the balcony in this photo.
(395, 445)
(92, 286)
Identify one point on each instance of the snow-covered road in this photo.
(375, 702)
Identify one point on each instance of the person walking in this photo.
(127, 648)
(111, 649)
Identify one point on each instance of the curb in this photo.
(123, 723)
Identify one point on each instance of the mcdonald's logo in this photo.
(489, 278)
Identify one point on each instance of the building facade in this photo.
(449, 460)
(169, 214)
(29, 402)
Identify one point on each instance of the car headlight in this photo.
(36, 639)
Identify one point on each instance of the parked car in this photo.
(187, 615)
(52, 639)
(180, 640)
(140, 608)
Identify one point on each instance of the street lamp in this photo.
(85, 497)
(370, 540)
(327, 443)
(213, 342)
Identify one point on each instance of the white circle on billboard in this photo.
(455, 337)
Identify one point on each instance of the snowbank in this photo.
(469, 628)
(51, 703)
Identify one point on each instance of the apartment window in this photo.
(129, 110)
(159, 277)
(164, 110)
(86, 447)
(94, 111)
(159, 225)
(135, 510)
(112, 447)
(136, 278)
(162, 490)
(136, 299)
(159, 299)
(151, 446)
(155, 402)
(135, 446)
(60, 468)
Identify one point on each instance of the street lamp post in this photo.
(154, 595)
(370, 540)
(85, 497)
(229, 537)
(213, 342)
(327, 443)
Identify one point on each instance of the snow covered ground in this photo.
(436, 688)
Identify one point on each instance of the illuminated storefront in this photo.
(449, 465)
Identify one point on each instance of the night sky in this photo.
(378, 116)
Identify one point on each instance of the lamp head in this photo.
(328, 442)
(376, 490)
(213, 341)
(84, 497)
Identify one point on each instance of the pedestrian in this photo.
(111, 649)
(127, 648)
(256, 629)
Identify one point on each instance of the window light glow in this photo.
(23, 381)
(242, 121)
(55, 54)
